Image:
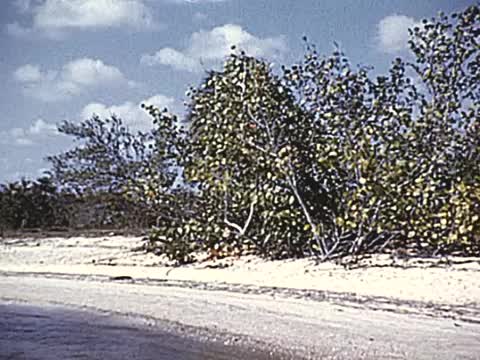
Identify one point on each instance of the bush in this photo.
(31, 204)
(325, 160)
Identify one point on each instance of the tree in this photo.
(404, 162)
(31, 204)
(109, 166)
(447, 60)
(323, 159)
(247, 156)
(107, 157)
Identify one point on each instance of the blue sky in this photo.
(66, 59)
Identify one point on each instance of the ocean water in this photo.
(34, 333)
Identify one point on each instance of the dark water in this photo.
(34, 333)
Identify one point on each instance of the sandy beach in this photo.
(385, 308)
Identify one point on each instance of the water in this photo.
(34, 333)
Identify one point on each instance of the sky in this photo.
(69, 59)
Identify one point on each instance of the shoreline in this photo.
(289, 305)
(294, 328)
(467, 313)
(94, 332)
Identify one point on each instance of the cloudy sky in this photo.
(67, 59)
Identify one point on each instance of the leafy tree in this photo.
(245, 127)
(108, 156)
(359, 140)
(109, 165)
(326, 160)
(247, 155)
(446, 132)
(405, 162)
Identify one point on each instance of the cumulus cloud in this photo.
(54, 16)
(42, 128)
(392, 32)
(74, 78)
(211, 46)
(38, 131)
(87, 72)
(131, 113)
(173, 58)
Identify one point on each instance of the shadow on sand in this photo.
(28, 332)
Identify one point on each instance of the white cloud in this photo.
(392, 32)
(131, 113)
(211, 46)
(53, 16)
(92, 13)
(173, 58)
(43, 128)
(87, 72)
(73, 79)
(40, 130)
(28, 73)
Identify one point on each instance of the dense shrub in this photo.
(31, 204)
(324, 159)
(319, 158)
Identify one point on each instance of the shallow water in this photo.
(33, 333)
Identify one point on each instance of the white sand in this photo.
(417, 280)
(304, 328)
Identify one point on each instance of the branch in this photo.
(237, 227)
(241, 231)
(265, 126)
(249, 219)
(320, 241)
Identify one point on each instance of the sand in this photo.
(425, 280)
(391, 309)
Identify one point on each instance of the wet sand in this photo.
(292, 328)
(126, 304)
(50, 333)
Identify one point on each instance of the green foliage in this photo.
(175, 233)
(107, 171)
(320, 158)
(31, 204)
(408, 162)
(246, 133)
(108, 156)
(323, 159)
